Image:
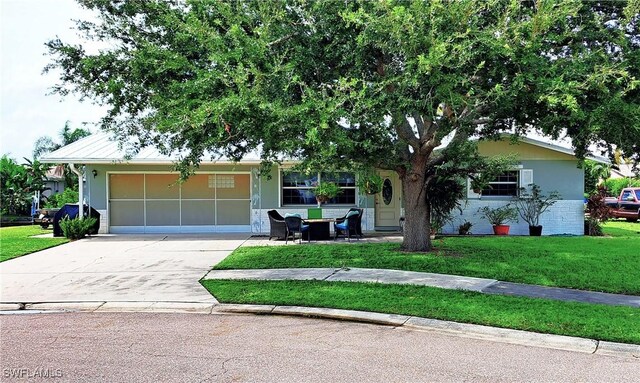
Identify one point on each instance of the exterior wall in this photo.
(560, 173)
(96, 187)
(266, 196)
(55, 187)
(565, 217)
(551, 170)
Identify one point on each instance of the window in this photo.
(505, 184)
(296, 188)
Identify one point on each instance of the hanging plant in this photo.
(369, 183)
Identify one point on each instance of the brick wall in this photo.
(564, 217)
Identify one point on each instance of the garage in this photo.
(158, 203)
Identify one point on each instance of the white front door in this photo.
(388, 201)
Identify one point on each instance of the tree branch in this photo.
(417, 117)
(405, 132)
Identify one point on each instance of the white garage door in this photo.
(157, 203)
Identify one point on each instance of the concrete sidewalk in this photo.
(455, 282)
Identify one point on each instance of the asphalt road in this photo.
(153, 347)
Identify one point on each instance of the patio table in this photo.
(319, 229)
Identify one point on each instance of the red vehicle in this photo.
(627, 205)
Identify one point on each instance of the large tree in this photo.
(360, 82)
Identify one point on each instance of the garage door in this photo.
(157, 203)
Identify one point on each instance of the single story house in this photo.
(54, 181)
(139, 194)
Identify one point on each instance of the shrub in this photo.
(615, 185)
(76, 228)
(465, 228)
(598, 211)
(59, 200)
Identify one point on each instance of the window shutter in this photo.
(470, 193)
(526, 179)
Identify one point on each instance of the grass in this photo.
(17, 241)
(610, 264)
(611, 323)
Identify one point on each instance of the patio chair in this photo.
(277, 226)
(348, 227)
(295, 225)
(358, 223)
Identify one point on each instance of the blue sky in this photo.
(26, 111)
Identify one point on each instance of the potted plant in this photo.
(325, 191)
(532, 205)
(498, 217)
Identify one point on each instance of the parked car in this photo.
(44, 217)
(627, 205)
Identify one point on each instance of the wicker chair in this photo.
(348, 227)
(295, 225)
(358, 229)
(277, 226)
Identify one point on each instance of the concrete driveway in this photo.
(118, 268)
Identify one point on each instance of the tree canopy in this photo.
(380, 83)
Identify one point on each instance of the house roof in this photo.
(100, 148)
(55, 173)
(559, 146)
(623, 171)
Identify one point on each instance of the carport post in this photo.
(79, 173)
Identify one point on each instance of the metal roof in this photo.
(101, 148)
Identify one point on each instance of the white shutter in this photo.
(526, 179)
(470, 193)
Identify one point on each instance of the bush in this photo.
(615, 185)
(59, 200)
(598, 212)
(76, 228)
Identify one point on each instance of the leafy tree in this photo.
(18, 184)
(382, 83)
(593, 173)
(46, 144)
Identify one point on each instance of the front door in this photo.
(388, 201)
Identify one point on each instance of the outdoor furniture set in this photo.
(293, 225)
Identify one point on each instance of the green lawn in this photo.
(16, 241)
(611, 323)
(610, 263)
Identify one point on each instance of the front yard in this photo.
(18, 240)
(609, 264)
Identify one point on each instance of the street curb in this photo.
(473, 331)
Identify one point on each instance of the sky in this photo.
(26, 111)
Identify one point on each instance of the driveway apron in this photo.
(149, 267)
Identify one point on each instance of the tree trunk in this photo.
(417, 220)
